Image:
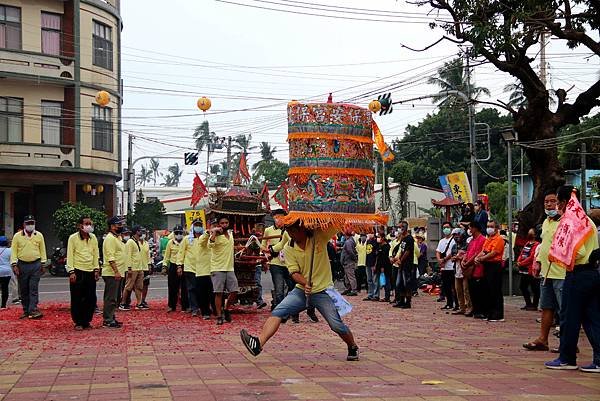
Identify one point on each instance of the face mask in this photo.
(143, 236)
(447, 231)
(551, 213)
(490, 231)
(119, 230)
(469, 233)
(30, 228)
(179, 237)
(199, 229)
(88, 228)
(126, 238)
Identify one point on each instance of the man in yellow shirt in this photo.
(84, 271)
(135, 269)
(188, 260)
(580, 300)
(147, 268)
(279, 272)
(203, 282)
(175, 281)
(113, 269)
(308, 263)
(28, 256)
(223, 276)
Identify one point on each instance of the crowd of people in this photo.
(471, 259)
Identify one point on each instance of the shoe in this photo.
(458, 312)
(87, 326)
(406, 305)
(440, 299)
(284, 320)
(206, 317)
(188, 310)
(495, 320)
(345, 292)
(252, 343)
(220, 320)
(36, 315)
(262, 305)
(524, 307)
(144, 305)
(447, 307)
(112, 325)
(124, 307)
(470, 314)
(352, 354)
(312, 315)
(140, 307)
(479, 316)
(538, 320)
(78, 328)
(195, 314)
(557, 364)
(117, 322)
(456, 308)
(16, 301)
(531, 308)
(296, 319)
(227, 316)
(170, 310)
(352, 294)
(24, 315)
(367, 299)
(591, 368)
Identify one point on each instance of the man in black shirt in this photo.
(372, 247)
(406, 281)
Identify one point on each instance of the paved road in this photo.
(57, 288)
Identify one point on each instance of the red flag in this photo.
(281, 195)
(243, 169)
(264, 196)
(198, 191)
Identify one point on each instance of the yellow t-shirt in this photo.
(202, 255)
(188, 254)
(361, 249)
(135, 255)
(583, 253)
(82, 254)
(145, 255)
(171, 252)
(114, 250)
(549, 270)
(298, 260)
(221, 257)
(273, 231)
(28, 248)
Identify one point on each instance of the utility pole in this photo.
(474, 187)
(228, 160)
(543, 73)
(583, 177)
(509, 213)
(130, 175)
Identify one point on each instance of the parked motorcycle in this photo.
(58, 262)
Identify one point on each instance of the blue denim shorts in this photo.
(295, 302)
(551, 293)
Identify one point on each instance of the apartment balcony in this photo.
(37, 155)
(36, 65)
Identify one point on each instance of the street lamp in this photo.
(510, 137)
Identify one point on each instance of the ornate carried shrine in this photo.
(331, 178)
(244, 211)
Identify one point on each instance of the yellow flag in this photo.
(384, 149)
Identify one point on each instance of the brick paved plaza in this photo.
(176, 357)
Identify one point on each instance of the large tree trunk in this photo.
(546, 171)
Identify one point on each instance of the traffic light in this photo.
(386, 103)
(191, 159)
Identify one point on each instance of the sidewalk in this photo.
(175, 357)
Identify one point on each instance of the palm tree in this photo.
(242, 143)
(215, 169)
(452, 76)
(204, 137)
(144, 176)
(517, 97)
(173, 177)
(154, 163)
(267, 155)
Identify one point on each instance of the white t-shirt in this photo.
(446, 245)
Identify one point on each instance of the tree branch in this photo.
(433, 44)
(571, 35)
(571, 113)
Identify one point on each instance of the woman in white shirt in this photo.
(5, 269)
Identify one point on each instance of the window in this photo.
(10, 27)
(102, 131)
(11, 119)
(51, 33)
(51, 123)
(103, 47)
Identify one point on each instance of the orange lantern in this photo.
(99, 188)
(103, 98)
(204, 103)
(375, 106)
(87, 188)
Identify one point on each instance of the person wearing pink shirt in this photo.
(474, 273)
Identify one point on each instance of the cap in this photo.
(29, 217)
(115, 220)
(125, 230)
(278, 212)
(3, 240)
(197, 221)
(178, 228)
(456, 231)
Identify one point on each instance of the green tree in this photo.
(154, 165)
(267, 155)
(273, 173)
(65, 219)
(173, 177)
(150, 215)
(453, 77)
(569, 153)
(504, 34)
(204, 137)
(402, 172)
(498, 195)
(144, 176)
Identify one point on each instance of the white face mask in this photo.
(126, 238)
(469, 233)
(143, 236)
(179, 237)
(30, 228)
(490, 231)
(88, 229)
